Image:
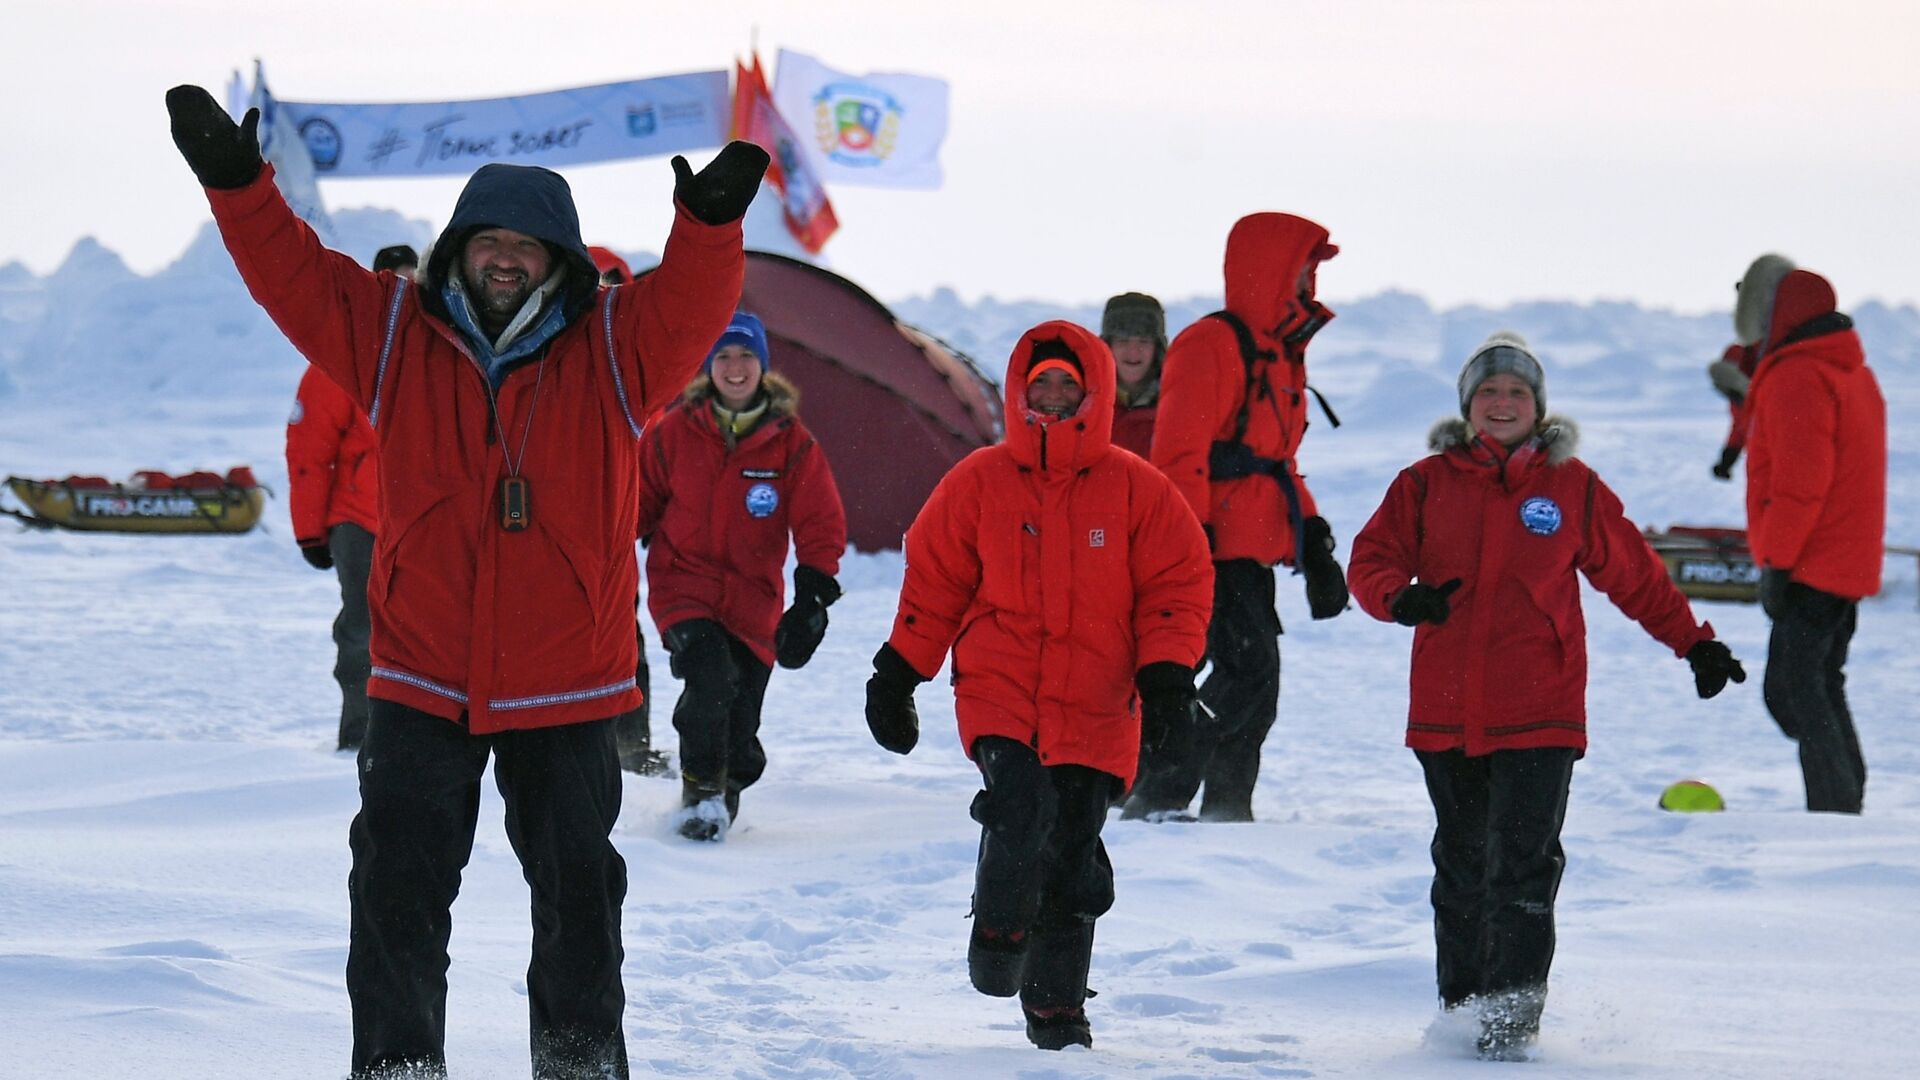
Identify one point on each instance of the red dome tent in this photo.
(893, 408)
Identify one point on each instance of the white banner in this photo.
(293, 171)
(609, 122)
(878, 130)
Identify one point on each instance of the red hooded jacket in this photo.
(717, 520)
(333, 465)
(1204, 381)
(1055, 567)
(1817, 448)
(1508, 669)
(513, 630)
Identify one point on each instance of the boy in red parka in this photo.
(726, 475)
(1476, 548)
(1073, 584)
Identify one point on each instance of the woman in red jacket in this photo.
(726, 475)
(1072, 583)
(1476, 548)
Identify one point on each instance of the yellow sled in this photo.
(152, 502)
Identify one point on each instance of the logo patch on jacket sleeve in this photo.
(1096, 538)
(762, 500)
(1540, 515)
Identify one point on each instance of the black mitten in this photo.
(1166, 704)
(221, 153)
(721, 192)
(317, 554)
(805, 623)
(1326, 582)
(1773, 591)
(1713, 664)
(891, 717)
(1724, 467)
(1418, 603)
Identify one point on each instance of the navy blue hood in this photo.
(527, 199)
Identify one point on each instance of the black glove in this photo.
(1773, 591)
(721, 192)
(1418, 603)
(317, 554)
(1326, 582)
(805, 623)
(221, 153)
(890, 713)
(1166, 704)
(1713, 664)
(1724, 467)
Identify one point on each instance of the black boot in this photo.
(1053, 987)
(996, 961)
(1510, 1022)
(1058, 1028)
(706, 810)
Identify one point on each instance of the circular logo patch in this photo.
(1540, 515)
(762, 500)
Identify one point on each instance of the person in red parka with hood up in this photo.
(505, 388)
(726, 475)
(1072, 585)
(1233, 410)
(1816, 511)
(1476, 547)
(333, 477)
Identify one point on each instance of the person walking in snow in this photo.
(333, 481)
(1134, 326)
(1816, 511)
(1233, 410)
(504, 388)
(726, 476)
(1072, 584)
(1477, 547)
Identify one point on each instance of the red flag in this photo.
(803, 200)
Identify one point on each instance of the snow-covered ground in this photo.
(173, 821)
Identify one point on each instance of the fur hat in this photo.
(395, 257)
(1504, 352)
(1134, 315)
(1753, 308)
(745, 330)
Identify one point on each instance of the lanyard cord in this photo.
(526, 430)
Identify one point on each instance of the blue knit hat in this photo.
(745, 330)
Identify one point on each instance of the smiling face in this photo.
(1055, 393)
(1132, 359)
(736, 376)
(1502, 408)
(502, 269)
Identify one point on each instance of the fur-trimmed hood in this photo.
(1559, 435)
(783, 398)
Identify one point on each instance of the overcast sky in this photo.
(1468, 150)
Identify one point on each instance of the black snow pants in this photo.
(419, 802)
(718, 714)
(1042, 871)
(634, 728)
(1497, 862)
(1242, 695)
(1805, 691)
(352, 549)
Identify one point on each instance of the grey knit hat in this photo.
(1135, 315)
(1504, 352)
(1753, 308)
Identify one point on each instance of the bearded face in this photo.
(502, 268)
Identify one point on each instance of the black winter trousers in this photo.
(1042, 869)
(352, 549)
(419, 802)
(1242, 694)
(1805, 691)
(634, 728)
(1497, 862)
(718, 714)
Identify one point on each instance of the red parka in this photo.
(1817, 451)
(333, 465)
(1055, 567)
(1746, 359)
(1203, 382)
(514, 630)
(1133, 426)
(716, 520)
(1508, 669)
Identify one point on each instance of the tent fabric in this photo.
(892, 406)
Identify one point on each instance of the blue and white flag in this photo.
(609, 122)
(878, 130)
(293, 171)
